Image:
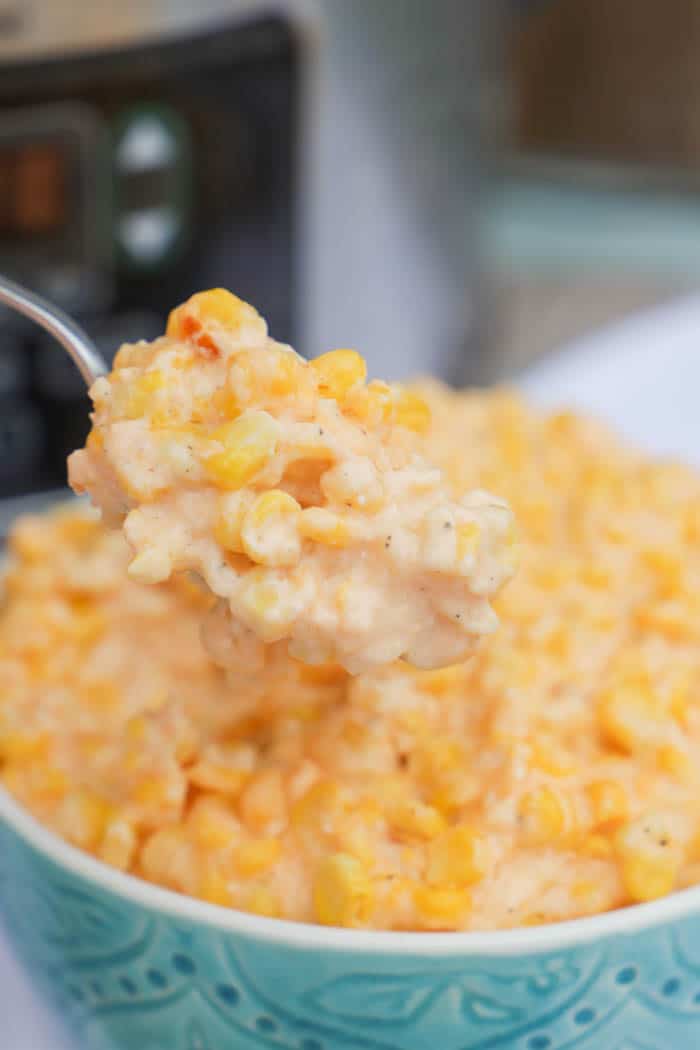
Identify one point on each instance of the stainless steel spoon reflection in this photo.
(63, 328)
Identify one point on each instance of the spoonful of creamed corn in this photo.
(296, 490)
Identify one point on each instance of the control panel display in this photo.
(33, 189)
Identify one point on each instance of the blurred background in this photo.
(452, 186)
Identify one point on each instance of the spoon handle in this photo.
(70, 335)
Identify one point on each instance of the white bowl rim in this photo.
(543, 939)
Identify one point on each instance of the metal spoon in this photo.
(70, 335)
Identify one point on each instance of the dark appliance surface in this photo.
(129, 180)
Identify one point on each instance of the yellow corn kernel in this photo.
(152, 565)
(450, 790)
(693, 848)
(543, 815)
(284, 372)
(135, 729)
(596, 577)
(587, 895)
(342, 892)
(249, 442)
(557, 642)
(229, 402)
(535, 515)
(323, 526)
(214, 888)
(174, 326)
(233, 507)
(86, 626)
(339, 371)
(456, 858)
(17, 746)
(372, 404)
(649, 856)
(442, 681)
(271, 604)
(153, 791)
(666, 565)
(82, 818)
(453, 795)
(262, 378)
(443, 908)
(467, 539)
(322, 800)
(412, 412)
(304, 712)
(608, 801)
(103, 695)
(14, 778)
(216, 304)
(125, 356)
(95, 441)
(256, 857)
(47, 782)
(142, 392)
(89, 745)
(268, 533)
(262, 802)
(27, 541)
(355, 833)
(410, 818)
(216, 776)
(662, 616)
(355, 734)
(562, 425)
(262, 901)
(676, 762)
(437, 756)
(691, 529)
(163, 854)
(632, 718)
(118, 845)
(213, 823)
(549, 757)
(598, 847)
(679, 697)
(79, 528)
(222, 306)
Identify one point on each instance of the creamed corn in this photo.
(296, 490)
(554, 774)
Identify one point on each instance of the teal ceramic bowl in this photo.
(131, 967)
